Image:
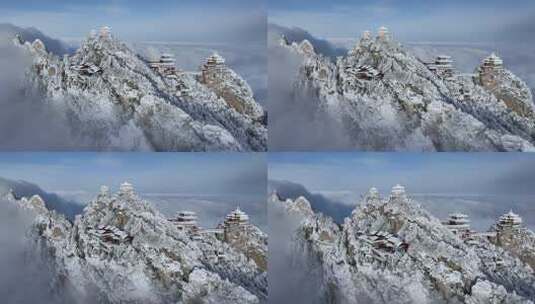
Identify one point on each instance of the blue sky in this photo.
(446, 173)
(137, 20)
(184, 173)
(411, 20)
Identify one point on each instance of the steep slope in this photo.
(393, 251)
(122, 250)
(114, 101)
(387, 99)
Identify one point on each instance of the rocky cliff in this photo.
(391, 250)
(387, 99)
(114, 101)
(120, 249)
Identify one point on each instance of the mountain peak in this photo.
(385, 98)
(378, 253)
(139, 107)
(130, 252)
(127, 189)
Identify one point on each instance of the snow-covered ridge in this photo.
(122, 249)
(391, 250)
(116, 100)
(387, 99)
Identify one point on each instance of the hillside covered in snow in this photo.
(380, 96)
(391, 250)
(122, 250)
(110, 98)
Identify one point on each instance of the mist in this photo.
(27, 122)
(293, 278)
(295, 121)
(27, 275)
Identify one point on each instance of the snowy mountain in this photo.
(391, 250)
(53, 202)
(8, 31)
(385, 98)
(122, 250)
(114, 100)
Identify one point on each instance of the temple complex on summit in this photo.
(213, 69)
(383, 33)
(492, 63)
(186, 221)
(364, 72)
(366, 35)
(105, 32)
(235, 223)
(509, 221)
(489, 69)
(126, 188)
(398, 191)
(166, 65)
(442, 66)
(459, 224)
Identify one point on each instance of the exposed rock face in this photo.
(506, 87)
(245, 237)
(387, 99)
(114, 101)
(519, 242)
(252, 242)
(393, 251)
(228, 85)
(122, 250)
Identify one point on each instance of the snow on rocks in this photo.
(388, 99)
(393, 251)
(122, 249)
(115, 101)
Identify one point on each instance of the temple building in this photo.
(366, 35)
(489, 70)
(442, 66)
(236, 218)
(111, 234)
(166, 65)
(86, 69)
(366, 72)
(398, 191)
(104, 191)
(373, 193)
(213, 69)
(105, 32)
(126, 188)
(459, 224)
(509, 221)
(492, 63)
(387, 241)
(186, 221)
(383, 33)
(236, 223)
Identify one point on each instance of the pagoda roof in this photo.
(398, 189)
(126, 187)
(215, 58)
